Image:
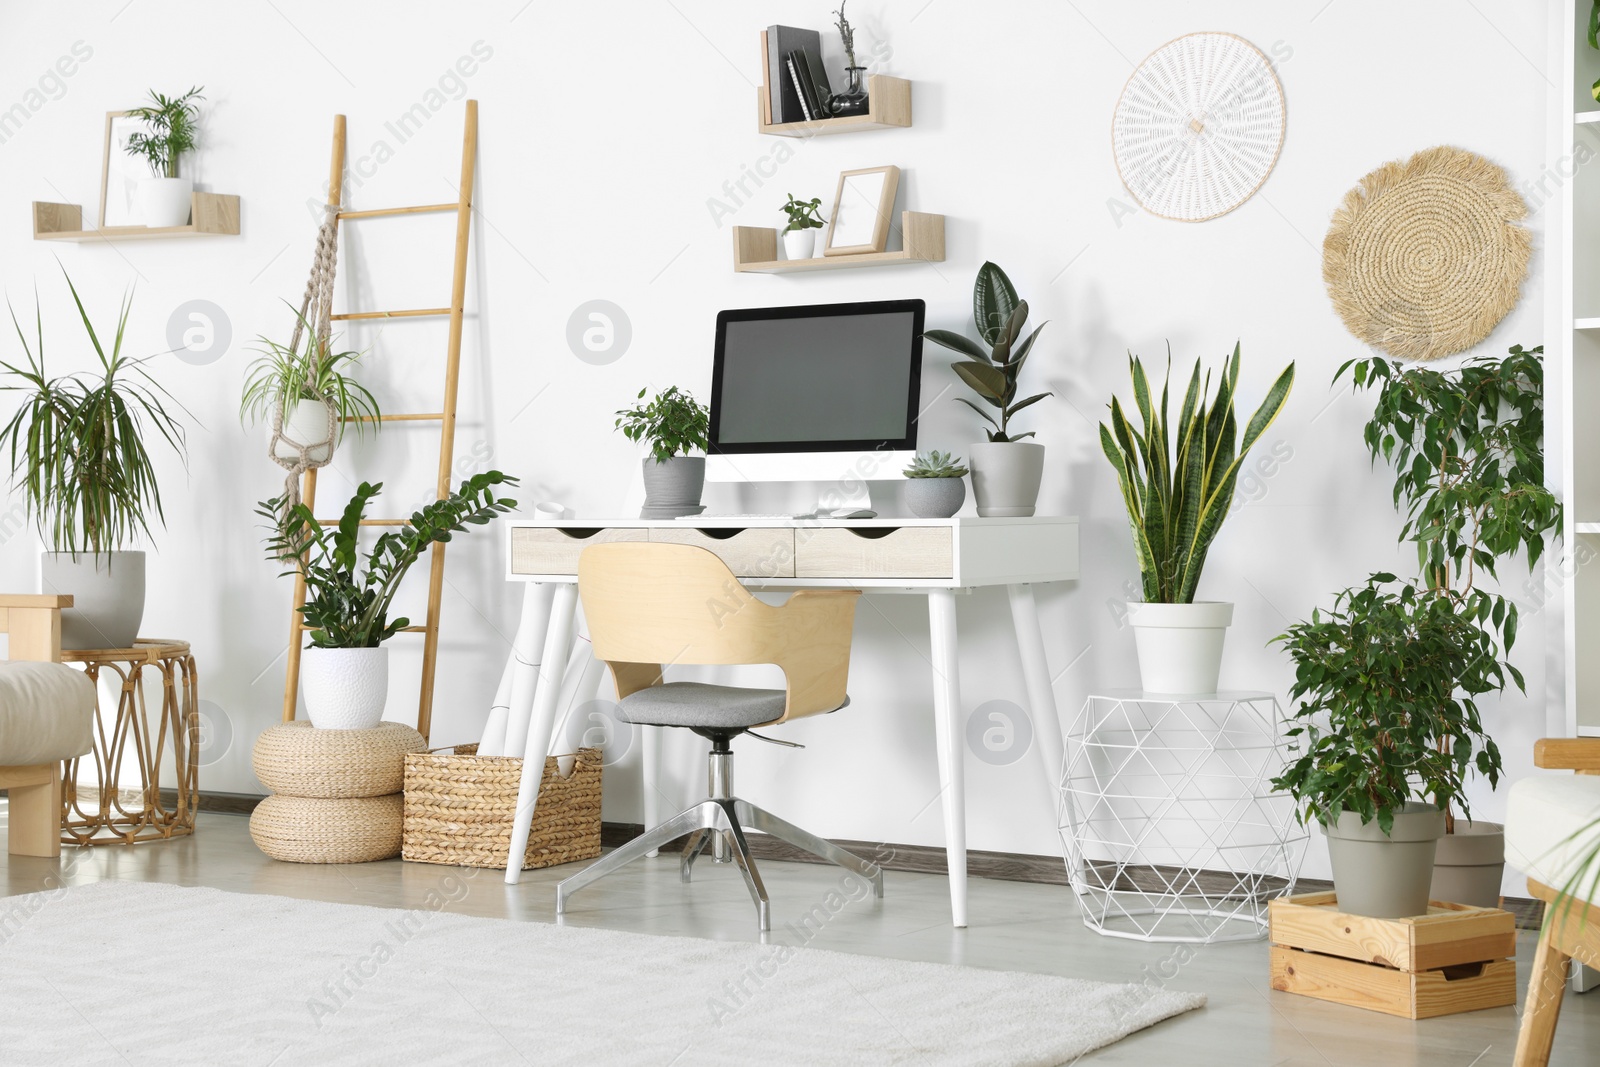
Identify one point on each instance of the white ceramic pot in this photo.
(345, 688)
(306, 423)
(800, 244)
(165, 201)
(107, 596)
(1005, 477)
(1180, 645)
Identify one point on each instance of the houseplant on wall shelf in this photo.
(79, 446)
(1177, 484)
(800, 234)
(311, 394)
(164, 198)
(673, 425)
(934, 489)
(1006, 470)
(345, 669)
(1467, 449)
(1387, 729)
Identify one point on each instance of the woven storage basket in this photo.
(296, 759)
(459, 805)
(323, 830)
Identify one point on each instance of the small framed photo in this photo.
(120, 173)
(862, 208)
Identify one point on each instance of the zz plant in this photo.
(1178, 480)
(991, 368)
(673, 423)
(174, 130)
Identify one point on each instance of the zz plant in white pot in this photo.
(166, 196)
(1177, 483)
(345, 669)
(80, 452)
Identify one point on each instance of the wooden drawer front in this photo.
(555, 549)
(902, 552)
(761, 552)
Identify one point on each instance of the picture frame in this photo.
(863, 205)
(120, 173)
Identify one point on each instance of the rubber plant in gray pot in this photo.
(1177, 484)
(1386, 731)
(934, 489)
(1467, 449)
(1006, 470)
(673, 424)
(345, 669)
(80, 453)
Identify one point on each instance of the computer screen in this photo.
(817, 378)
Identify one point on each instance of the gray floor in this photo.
(1015, 926)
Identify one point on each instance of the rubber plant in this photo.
(991, 368)
(1178, 480)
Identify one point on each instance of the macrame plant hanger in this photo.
(316, 308)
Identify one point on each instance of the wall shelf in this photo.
(1586, 116)
(1587, 527)
(888, 107)
(755, 249)
(213, 215)
(1586, 324)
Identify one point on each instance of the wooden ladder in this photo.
(446, 416)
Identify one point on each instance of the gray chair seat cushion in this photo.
(46, 713)
(700, 704)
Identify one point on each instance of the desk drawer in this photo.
(875, 552)
(555, 549)
(758, 552)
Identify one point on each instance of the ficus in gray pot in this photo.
(673, 424)
(934, 489)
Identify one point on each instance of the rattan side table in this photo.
(102, 811)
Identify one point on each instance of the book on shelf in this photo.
(766, 81)
(783, 97)
(819, 84)
(799, 89)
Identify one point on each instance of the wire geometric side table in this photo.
(101, 811)
(1171, 828)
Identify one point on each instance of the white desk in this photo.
(931, 557)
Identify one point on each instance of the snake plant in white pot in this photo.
(345, 668)
(1006, 470)
(1177, 483)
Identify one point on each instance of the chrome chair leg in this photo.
(707, 815)
(767, 823)
(752, 877)
(691, 851)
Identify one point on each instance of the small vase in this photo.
(800, 244)
(853, 100)
(165, 202)
(935, 498)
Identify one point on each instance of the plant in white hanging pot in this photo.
(800, 233)
(78, 446)
(1177, 484)
(1007, 469)
(310, 393)
(673, 425)
(164, 198)
(344, 670)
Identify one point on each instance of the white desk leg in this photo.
(650, 765)
(543, 720)
(952, 754)
(1036, 674)
(527, 647)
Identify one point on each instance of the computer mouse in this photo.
(852, 513)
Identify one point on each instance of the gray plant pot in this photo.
(1386, 877)
(935, 498)
(1005, 477)
(673, 487)
(1470, 864)
(107, 592)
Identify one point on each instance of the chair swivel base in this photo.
(722, 819)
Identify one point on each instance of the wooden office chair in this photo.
(650, 606)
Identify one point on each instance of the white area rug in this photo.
(136, 974)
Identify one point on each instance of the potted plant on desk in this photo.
(934, 489)
(673, 424)
(1177, 484)
(1007, 469)
(800, 235)
(345, 670)
(165, 197)
(80, 453)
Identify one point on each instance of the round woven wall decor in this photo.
(1425, 256)
(1199, 126)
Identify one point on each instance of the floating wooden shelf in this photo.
(213, 215)
(888, 107)
(755, 249)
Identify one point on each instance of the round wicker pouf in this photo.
(336, 793)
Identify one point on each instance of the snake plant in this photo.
(1177, 481)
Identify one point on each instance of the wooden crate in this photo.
(1455, 958)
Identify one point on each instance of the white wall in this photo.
(609, 133)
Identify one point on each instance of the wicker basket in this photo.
(458, 809)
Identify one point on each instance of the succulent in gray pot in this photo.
(934, 489)
(1006, 469)
(673, 424)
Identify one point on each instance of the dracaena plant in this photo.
(1178, 480)
(991, 368)
(347, 604)
(174, 123)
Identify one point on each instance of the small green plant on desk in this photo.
(935, 464)
(673, 423)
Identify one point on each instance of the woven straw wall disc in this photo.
(1424, 256)
(299, 760)
(315, 830)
